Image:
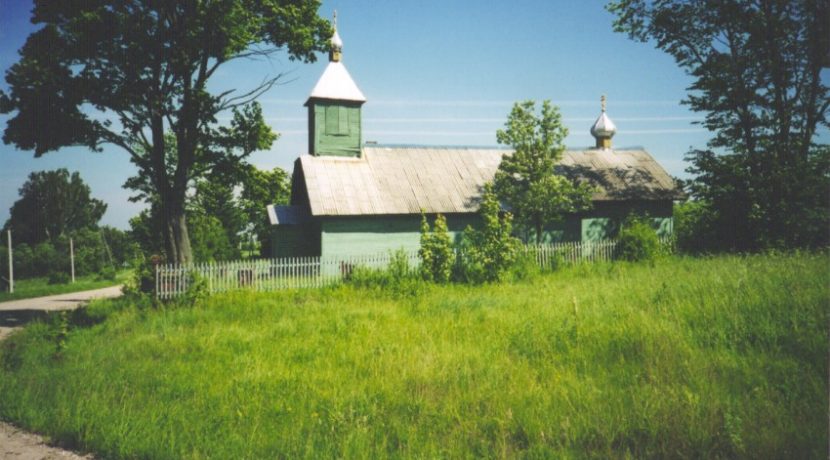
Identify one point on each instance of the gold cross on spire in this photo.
(335, 19)
(602, 101)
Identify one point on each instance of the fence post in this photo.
(155, 260)
(11, 267)
(72, 259)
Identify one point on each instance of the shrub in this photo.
(436, 252)
(142, 282)
(107, 273)
(57, 277)
(638, 240)
(398, 278)
(488, 254)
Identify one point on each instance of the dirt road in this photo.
(15, 443)
(16, 313)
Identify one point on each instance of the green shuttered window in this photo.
(337, 120)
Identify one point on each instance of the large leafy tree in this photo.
(125, 72)
(756, 66)
(259, 189)
(53, 204)
(527, 181)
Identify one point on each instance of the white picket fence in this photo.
(173, 280)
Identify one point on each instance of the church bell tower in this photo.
(334, 120)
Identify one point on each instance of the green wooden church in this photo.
(350, 199)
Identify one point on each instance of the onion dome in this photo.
(603, 129)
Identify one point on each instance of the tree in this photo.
(527, 180)
(53, 204)
(259, 189)
(125, 72)
(756, 67)
(436, 252)
(215, 197)
(487, 254)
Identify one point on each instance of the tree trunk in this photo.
(177, 238)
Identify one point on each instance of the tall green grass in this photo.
(718, 357)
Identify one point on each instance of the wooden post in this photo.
(72, 259)
(11, 267)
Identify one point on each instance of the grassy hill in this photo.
(716, 357)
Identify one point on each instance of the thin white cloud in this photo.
(482, 120)
(380, 133)
(485, 103)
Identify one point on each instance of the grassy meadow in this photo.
(683, 358)
(38, 287)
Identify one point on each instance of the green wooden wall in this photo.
(295, 240)
(366, 235)
(603, 221)
(334, 128)
(354, 236)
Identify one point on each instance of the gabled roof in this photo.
(404, 180)
(337, 84)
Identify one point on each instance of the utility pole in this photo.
(72, 259)
(11, 267)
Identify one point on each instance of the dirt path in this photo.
(15, 443)
(16, 313)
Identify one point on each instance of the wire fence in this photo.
(173, 280)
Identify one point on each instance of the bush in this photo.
(142, 282)
(397, 278)
(638, 240)
(107, 273)
(57, 277)
(488, 254)
(436, 252)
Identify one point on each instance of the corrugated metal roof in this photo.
(404, 180)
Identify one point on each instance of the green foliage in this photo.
(214, 197)
(261, 188)
(57, 277)
(209, 239)
(107, 273)
(436, 250)
(721, 357)
(96, 251)
(638, 240)
(142, 280)
(96, 73)
(527, 181)
(487, 254)
(398, 279)
(53, 204)
(757, 69)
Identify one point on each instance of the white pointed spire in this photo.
(336, 83)
(603, 129)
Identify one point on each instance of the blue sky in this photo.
(435, 73)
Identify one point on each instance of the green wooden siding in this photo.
(355, 236)
(365, 235)
(334, 128)
(295, 240)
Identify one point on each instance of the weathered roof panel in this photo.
(404, 180)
